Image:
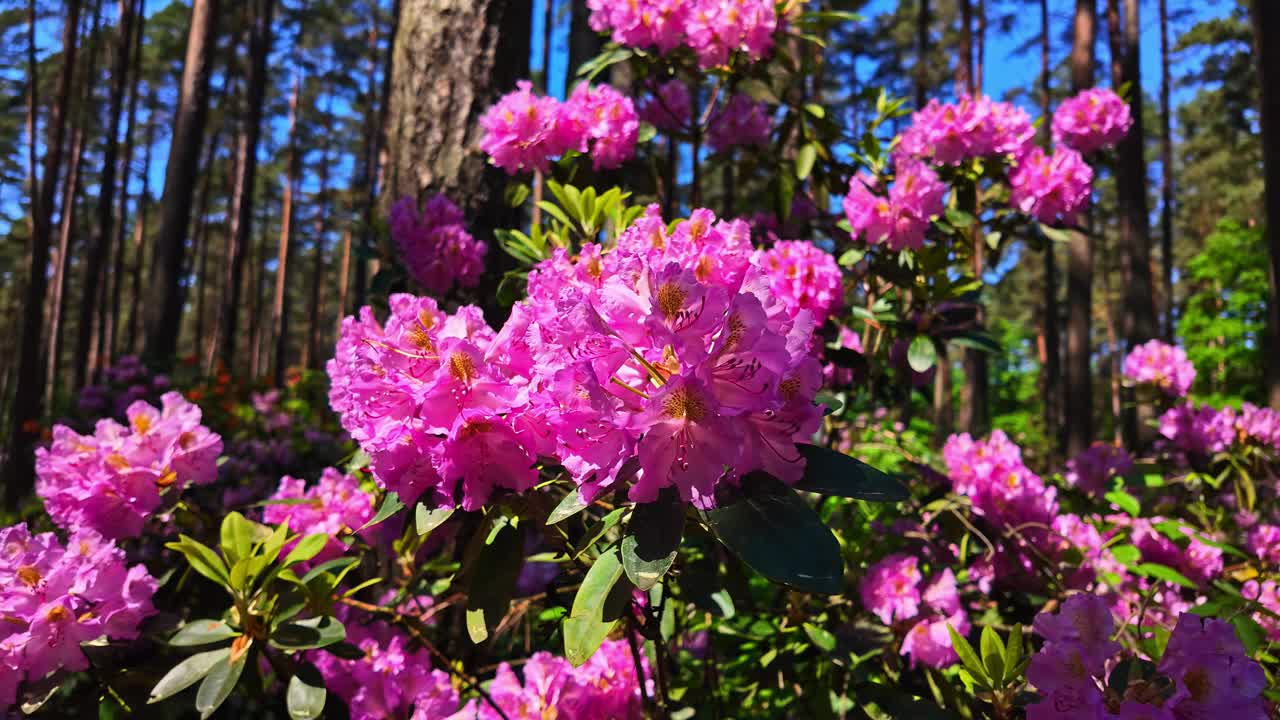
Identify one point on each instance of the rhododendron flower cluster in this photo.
(1051, 186)
(1161, 365)
(392, 680)
(112, 481)
(1001, 487)
(804, 276)
(334, 506)
(606, 686)
(894, 589)
(55, 597)
(950, 133)
(669, 108)
(900, 217)
(1267, 594)
(524, 131)
(740, 122)
(1264, 542)
(712, 29)
(1094, 119)
(671, 348)
(1205, 662)
(1197, 429)
(123, 384)
(1092, 470)
(435, 246)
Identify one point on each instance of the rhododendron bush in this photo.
(651, 452)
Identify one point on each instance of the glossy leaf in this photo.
(306, 694)
(307, 548)
(571, 505)
(187, 673)
(653, 538)
(492, 578)
(830, 472)
(202, 632)
(424, 520)
(218, 684)
(599, 604)
(309, 634)
(390, 506)
(921, 354)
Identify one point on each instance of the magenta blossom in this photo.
(713, 29)
(804, 276)
(523, 131)
(435, 246)
(948, 134)
(1161, 365)
(1094, 119)
(335, 506)
(605, 123)
(1051, 187)
(1092, 470)
(740, 122)
(669, 108)
(900, 217)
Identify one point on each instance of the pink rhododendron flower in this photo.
(1094, 119)
(1092, 470)
(992, 475)
(740, 122)
(605, 123)
(804, 276)
(1212, 675)
(1264, 542)
(669, 108)
(1161, 365)
(948, 134)
(335, 506)
(435, 246)
(1049, 187)
(900, 218)
(1267, 594)
(891, 590)
(112, 481)
(523, 131)
(55, 597)
(1199, 430)
(1260, 424)
(712, 29)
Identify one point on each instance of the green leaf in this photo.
(1251, 634)
(1124, 501)
(516, 194)
(309, 634)
(977, 340)
(599, 604)
(336, 563)
(187, 673)
(653, 538)
(646, 133)
(202, 558)
(1013, 651)
(775, 532)
(571, 505)
(202, 632)
(1165, 573)
(804, 161)
(359, 461)
(921, 355)
(758, 90)
(307, 548)
(829, 472)
(1055, 234)
(390, 506)
(218, 684)
(967, 656)
(306, 694)
(851, 257)
(598, 531)
(425, 520)
(237, 536)
(820, 637)
(554, 211)
(960, 219)
(992, 655)
(492, 578)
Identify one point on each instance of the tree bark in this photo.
(1266, 23)
(33, 110)
(1166, 173)
(1078, 388)
(314, 356)
(102, 227)
(1051, 383)
(163, 309)
(139, 228)
(964, 50)
(280, 303)
(25, 410)
(240, 214)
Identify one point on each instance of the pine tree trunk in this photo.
(280, 304)
(102, 228)
(139, 228)
(1051, 383)
(57, 302)
(163, 309)
(111, 313)
(435, 105)
(1266, 24)
(974, 396)
(200, 243)
(240, 214)
(1078, 388)
(1166, 173)
(28, 396)
(33, 109)
(314, 355)
(964, 50)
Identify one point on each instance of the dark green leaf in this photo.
(516, 194)
(492, 578)
(653, 538)
(309, 634)
(307, 548)
(1124, 501)
(599, 604)
(820, 637)
(187, 673)
(992, 655)
(218, 684)
(777, 534)
(202, 558)
(390, 506)
(1165, 573)
(804, 161)
(306, 694)
(829, 472)
(425, 520)
(202, 632)
(967, 656)
(571, 505)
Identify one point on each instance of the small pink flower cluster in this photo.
(112, 481)
(900, 218)
(334, 506)
(1264, 542)
(713, 29)
(1199, 561)
(670, 348)
(894, 589)
(991, 474)
(606, 686)
(804, 277)
(1051, 186)
(950, 133)
(1161, 365)
(1092, 470)
(669, 108)
(55, 597)
(1197, 429)
(739, 122)
(391, 680)
(435, 246)
(1094, 119)
(523, 131)
(1267, 594)
(122, 384)
(1207, 665)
